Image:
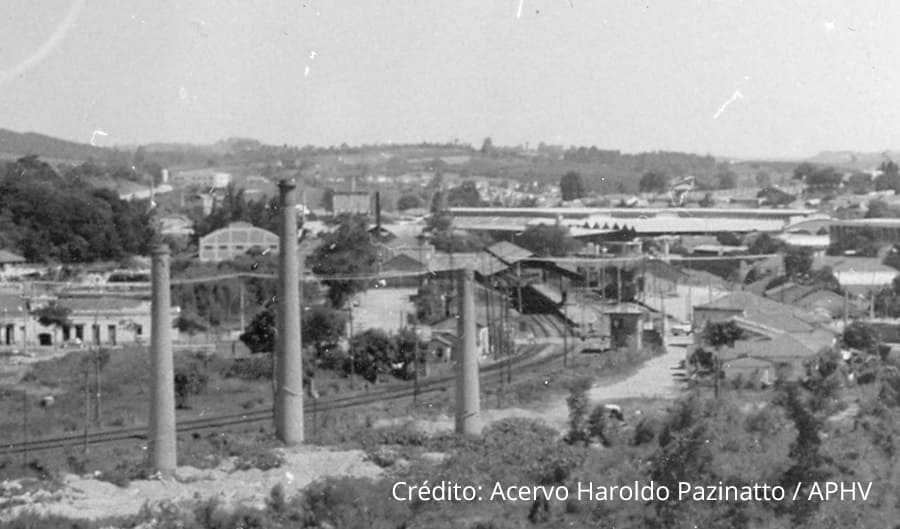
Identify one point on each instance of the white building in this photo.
(234, 240)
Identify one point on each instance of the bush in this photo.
(646, 431)
(189, 380)
(257, 367)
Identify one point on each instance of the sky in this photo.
(755, 78)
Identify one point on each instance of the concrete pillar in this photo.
(289, 376)
(468, 405)
(162, 373)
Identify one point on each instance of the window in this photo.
(239, 247)
(223, 246)
(208, 247)
(138, 330)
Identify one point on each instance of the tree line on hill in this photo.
(49, 216)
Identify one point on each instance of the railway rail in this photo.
(518, 364)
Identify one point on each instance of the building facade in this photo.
(234, 240)
(95, 321)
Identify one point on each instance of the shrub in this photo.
(189, 380)
(646, 430)
(257, 367)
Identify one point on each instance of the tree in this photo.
(861, 336)
(797, 262)
(571, 186)
(409, 201)
(654, 182)
(345, 251)
(802, 171)
(859, 183)
(719, 335)
(322, 326)
(465, 195)
(429, 303)
(726, 179)
(763, 179)
(487, 146)
(547, 241)
(53, 315)
(190, 323)
(374, 353)
(765, 244)
(827, 178)
(881, 209)
(889, 177)
(260, 334)
(727, 238)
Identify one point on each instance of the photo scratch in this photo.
(734, 97)
(519, 12)
(95, 134)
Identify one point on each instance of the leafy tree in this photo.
(47, 216)
(547, 241)
(409, 201)
(260, 334)
(345, 251)
(798, 262)
(889, 177)
(487, 146)
(374, 353)
(763, 179)
(861, 336)
(571, 186)
(654, 182)
(53, 315)
(825, 177)
(190, 323)
(774, 197)
(881, 209)
(721, 334)
(802, 171)
(765, 244)
(727, 238)
(860, 183)
(322, 326)
(726, 179)
(429, 303)
(465, 195)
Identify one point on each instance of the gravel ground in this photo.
(87, 498)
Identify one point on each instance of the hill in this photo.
(17, 144)
(854, 160)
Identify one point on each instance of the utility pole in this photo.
(162, 377)
(241, 306)
(468, 406)
(95, 353)
(619, 283)
(845, 309)
(289, 377)
(519, 284)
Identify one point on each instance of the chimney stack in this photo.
(378, 212)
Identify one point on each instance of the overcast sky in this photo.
(778, 78)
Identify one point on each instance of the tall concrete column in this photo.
(289, 376)
(162, 373)
(468, 405)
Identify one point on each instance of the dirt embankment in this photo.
(89, 498)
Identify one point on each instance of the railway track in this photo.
(520, 363)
